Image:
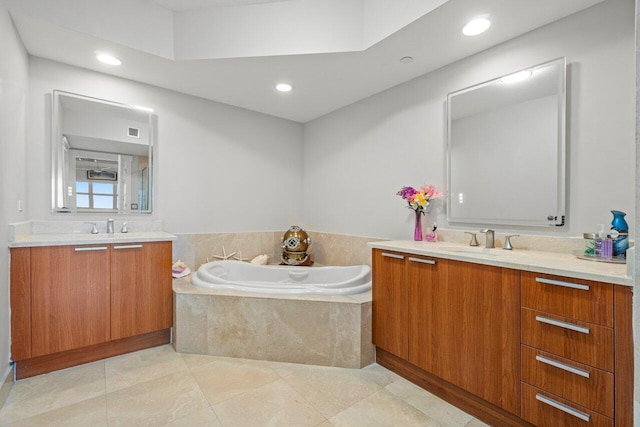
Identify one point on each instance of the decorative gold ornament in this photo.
(295, 243)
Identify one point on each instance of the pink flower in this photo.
(431, 192)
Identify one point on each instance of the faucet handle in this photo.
(507, 241)
(94, 227)
(474, 239)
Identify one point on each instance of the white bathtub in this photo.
(283, 280)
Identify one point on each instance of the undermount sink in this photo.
(476, 251)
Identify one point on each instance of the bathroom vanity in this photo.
(514, 338)
(80, 298)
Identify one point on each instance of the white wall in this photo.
(527, 136)
(358, 157)
(13, 108)
(218, 168)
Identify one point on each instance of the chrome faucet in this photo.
(507, 242)
(474, 240)
(109, 226)
(490, 237)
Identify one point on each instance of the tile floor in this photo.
(159, 387)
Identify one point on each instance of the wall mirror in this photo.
(506, 149)
(102, 158)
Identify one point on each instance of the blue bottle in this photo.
(619, 224)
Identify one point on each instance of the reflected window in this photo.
(96, 195)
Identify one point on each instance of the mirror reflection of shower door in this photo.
(143, 195)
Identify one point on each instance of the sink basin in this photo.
(476, 251)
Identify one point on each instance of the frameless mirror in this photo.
(506, 149)
(102, 157)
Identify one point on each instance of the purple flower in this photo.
(407, 192)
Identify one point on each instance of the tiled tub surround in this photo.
(325, 249)
(329, 331)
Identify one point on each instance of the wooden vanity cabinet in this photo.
(576, 352)
(141, 296)
(69, 297)
(457, 321)
(512, 347)
(390, 298)
(464, 327)
(76, 304)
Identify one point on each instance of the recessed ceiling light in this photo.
(108, 59)
(406, 59)
(476, 26)
(517, 77)
(284, 87)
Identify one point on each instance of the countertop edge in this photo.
(538, 262)
(37, 240)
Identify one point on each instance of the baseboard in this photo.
(458, 397)
(66, 359)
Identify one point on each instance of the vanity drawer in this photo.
(573, 339)
(579, 299)
(582, 384)
(544, 409)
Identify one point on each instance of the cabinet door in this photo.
(465, 327)
(141, 295)
(69, 297)
(390, 300)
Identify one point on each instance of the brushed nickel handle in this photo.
(563, 366)
(561, 324)
(92, 248)
(564, 408)
(396, 256)
(127, 246)
(423, 261)
(563, 284)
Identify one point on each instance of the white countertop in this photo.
(45, 239)
(561, 264)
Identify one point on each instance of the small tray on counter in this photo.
(588, 257)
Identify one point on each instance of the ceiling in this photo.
(182, 5)
(323, 82)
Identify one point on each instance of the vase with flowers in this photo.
(418, 200)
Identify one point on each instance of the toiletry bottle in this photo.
(433, 235)
(607, 248)
(597, 242)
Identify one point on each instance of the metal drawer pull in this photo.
(565, 325)
(563, 366)
(127, 247)
(563, 284)
(396, 256)
(92, 248)
(423, 261)
(564, 408)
